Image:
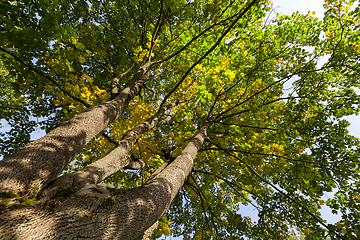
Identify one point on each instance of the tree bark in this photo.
(117, 159)
(97, 213)
(41, 161)
(147, 234)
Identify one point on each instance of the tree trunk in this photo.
(117, 159)
(96, 213)
(43, 160)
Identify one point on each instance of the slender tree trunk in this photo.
(41, 161)
(118, 158)
(97, 213)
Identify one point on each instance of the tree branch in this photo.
(231, 183)
(80, 100)
(240, 15)
(281, 192)
(116, 79)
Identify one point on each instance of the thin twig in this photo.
(282, 193)
(80, 100)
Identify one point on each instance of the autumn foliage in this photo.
(273, 89)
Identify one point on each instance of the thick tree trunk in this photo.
(117, 159)
(41, 161)
(95, 213)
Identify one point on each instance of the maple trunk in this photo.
(41, 161)
(97, 213)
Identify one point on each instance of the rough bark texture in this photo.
(97, 213)
(147, 234)
(117, 216)
(117, 159)
(40, 161)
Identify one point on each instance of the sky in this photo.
(281, 7)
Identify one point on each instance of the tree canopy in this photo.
(267, 91)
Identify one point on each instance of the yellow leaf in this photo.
(198, 67)
(89, 79)
(148, 45)
(81, 59)
(96, 89)
(105, 97)
(56, 102)
(231, 75)
(79, 108)
(86, 158)
(49, 88)
(224, 63)
(73, 40)
(84, 89)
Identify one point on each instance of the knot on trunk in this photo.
(64, 181)
(135, 163)
(94, 190)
